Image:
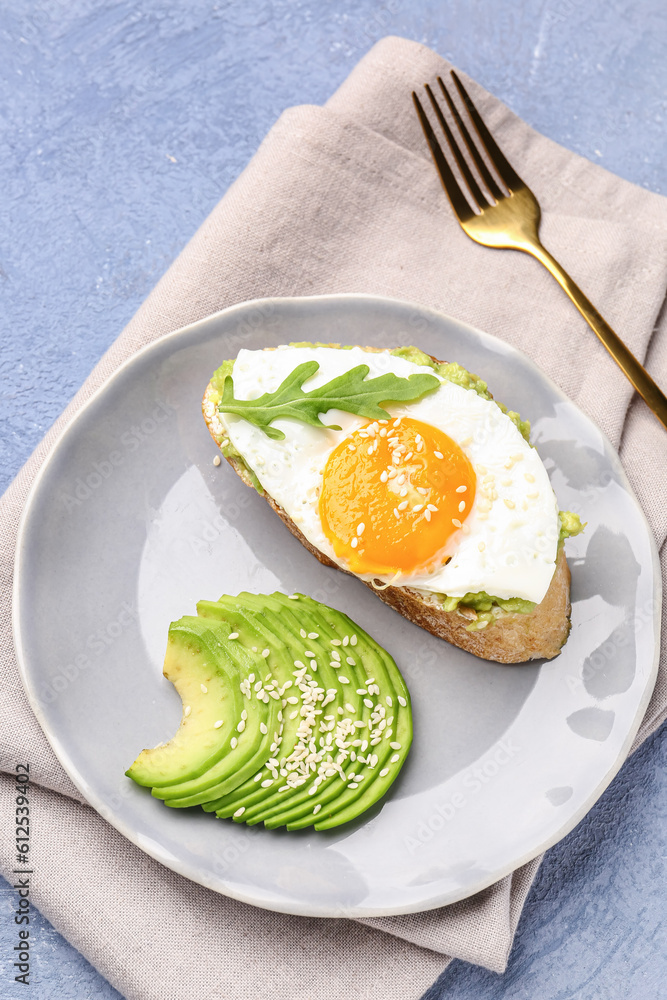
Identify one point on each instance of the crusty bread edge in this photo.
(512, 638)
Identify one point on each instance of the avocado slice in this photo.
(370, 672)
(346, 734)
(323, 728)
(299, 635)
(390, 754)
(252, 790)
(263, 715)
(207, 681)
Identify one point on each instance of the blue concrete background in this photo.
(122, 124)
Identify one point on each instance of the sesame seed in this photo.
(317, 808)
(217, 460)
(509, 503)
(401, 701)
(267, 782)
(262, 728)
(396, 757)
(233, 635)
(233, 743)
(384, 772)
(203, 688)
(187, 710)
(395, 746)
(456, 522)
(293, 597)
(239, 812)
(438, 454)
(368, 703)
(352, 784)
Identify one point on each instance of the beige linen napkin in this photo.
(345, 199)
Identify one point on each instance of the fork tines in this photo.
(485, 140)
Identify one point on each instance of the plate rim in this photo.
(183, 868)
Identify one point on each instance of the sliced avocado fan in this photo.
(292, 715)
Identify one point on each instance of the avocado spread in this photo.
(292, 715)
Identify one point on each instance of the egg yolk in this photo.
(393, 493)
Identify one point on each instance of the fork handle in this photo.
(651, 393)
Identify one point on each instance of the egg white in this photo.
(510, 549)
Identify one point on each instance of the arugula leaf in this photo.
(348, 392)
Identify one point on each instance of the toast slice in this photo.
(511, 638)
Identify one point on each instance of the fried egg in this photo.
(446, 496)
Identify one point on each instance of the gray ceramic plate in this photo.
(129, 523)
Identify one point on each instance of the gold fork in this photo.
(512, 220)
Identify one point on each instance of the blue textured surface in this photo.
(122, 125)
